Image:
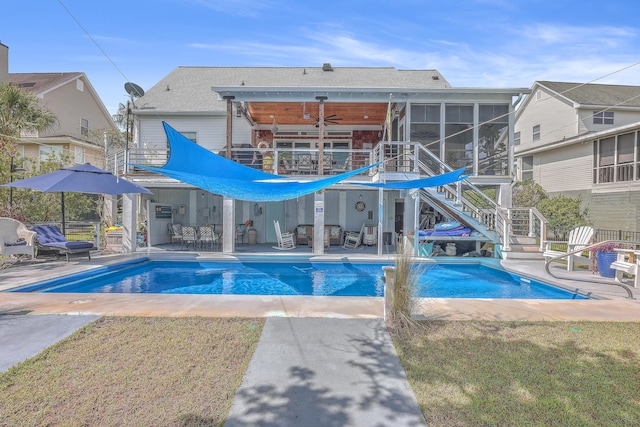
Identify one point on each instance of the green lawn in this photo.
(486, 373)
(133, 371)
(185, 372)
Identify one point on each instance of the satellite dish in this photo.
(133, 90)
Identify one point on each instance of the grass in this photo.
(133, 371)
(481, 373)
(185, 372)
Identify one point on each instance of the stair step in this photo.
(523, 240)
(529, 256)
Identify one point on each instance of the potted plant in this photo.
(604, 255)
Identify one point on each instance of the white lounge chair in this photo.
(352, 239)
(579, 238)
(285, 240)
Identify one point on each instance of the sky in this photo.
(473, 43)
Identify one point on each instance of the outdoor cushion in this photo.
(51, 236)
(22, 243)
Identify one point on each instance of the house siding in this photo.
(547, 112)
(616, 210)
(211, 131)
(564, 169)
(70, 105)
(620, 118)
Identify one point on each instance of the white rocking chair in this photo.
(286, 240)
(352, 239)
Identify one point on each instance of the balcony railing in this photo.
(281, 161)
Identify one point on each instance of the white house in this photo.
(273, 118)
(582, 140)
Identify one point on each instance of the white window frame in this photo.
(84, 126)
(603, 118)
(536, 133)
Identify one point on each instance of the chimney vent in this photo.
(327, 67)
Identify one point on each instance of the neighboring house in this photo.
(274, 118)
(81, 116)
(582, 140)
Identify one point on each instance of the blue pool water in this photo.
(297, 278)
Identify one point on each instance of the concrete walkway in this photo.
(325, 372)
(22, 337)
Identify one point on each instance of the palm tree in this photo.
(20, 111)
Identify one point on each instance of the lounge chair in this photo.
(352, 239)
(49, 237)
(15, 239)
(579, 238)
(285, 240)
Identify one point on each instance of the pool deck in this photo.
(610, 304)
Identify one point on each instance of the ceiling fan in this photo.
(328, 120)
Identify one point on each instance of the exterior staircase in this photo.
(516, 232)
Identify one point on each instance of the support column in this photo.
(228, 225)
(129, 222)
(321, 100)
(380, 219)
(229, 123)
(318, 223)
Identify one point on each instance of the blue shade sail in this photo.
(197, 166)
(433, 181)
(192, 164)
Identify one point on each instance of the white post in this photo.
(129, 222)
(318, 223)
(228, 225)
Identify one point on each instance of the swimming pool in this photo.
(296, 278)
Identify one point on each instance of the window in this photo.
(84, 127)
(49, 152)
(526, 169)
(603, 118)
(615, 159)
(79, 155)
(536, 132)
(425, 126)
(516, 138)
(191, 136)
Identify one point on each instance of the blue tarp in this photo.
(192, 164)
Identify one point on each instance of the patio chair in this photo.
(344, 167)
(286, 240)
(370, 236)
(579, 238)
(189, 235)
(175, 230)
(305, 164)
(327, 164)
(50, 238)
(206, 236)
(352, 239)
(15, 239)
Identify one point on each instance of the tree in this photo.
(20, 111)
(528, 193)
(563, 213)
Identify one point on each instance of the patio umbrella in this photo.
(79, 179)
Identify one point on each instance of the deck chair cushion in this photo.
(51, 236)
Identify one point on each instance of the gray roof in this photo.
(596, 94)
(189, 88)
(40, 82)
